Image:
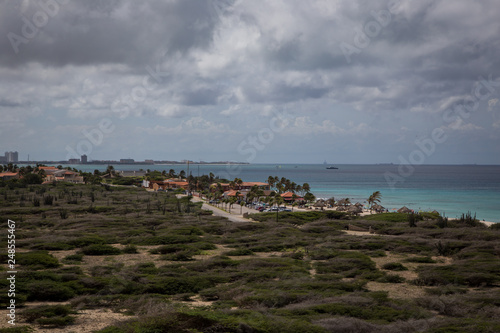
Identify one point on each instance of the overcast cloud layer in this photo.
(259, 81)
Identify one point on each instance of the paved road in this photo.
(220, 212)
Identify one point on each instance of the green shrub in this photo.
(394, 266)
(56, 321)
(180, 285)
(53, 246)
(445, 290)
(239, 252)
(391, 278)
(421, 260)
(49, 291)
(34, 314)
(87, 240)
(166, 249)
(100, 250)
(37, 260)
(495, 226)
(387, 217)
(73, 258)
(179, 256)
(147, 268)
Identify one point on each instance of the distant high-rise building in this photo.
(84, 159)
(11, 156)
(127, 160)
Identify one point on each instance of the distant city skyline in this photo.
(252, 81)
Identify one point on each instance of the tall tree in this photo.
(374, 198)
(270, 181)
(309, 197)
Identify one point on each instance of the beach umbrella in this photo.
(344, 202)
(378, 208)
(358, 204)
(319, 204)
(404, 210)
(355, 210)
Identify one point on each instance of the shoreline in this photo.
(296, 209)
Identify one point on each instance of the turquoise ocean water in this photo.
(449, 189)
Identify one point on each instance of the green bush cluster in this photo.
(100, 250)
(50, 315)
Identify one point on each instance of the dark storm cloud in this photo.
(95, 32)
(222, 60)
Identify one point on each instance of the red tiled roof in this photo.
(177, 183)
(244, 184)
(232, 193)
(289, 195)
(7, 174)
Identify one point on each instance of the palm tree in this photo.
(182, 174)
(298, 189)
(239, 182)
(309, 197)
(232, 201)
(374, 199)
(111, 170)
(242, 203)
(270, 180)
(279, 200)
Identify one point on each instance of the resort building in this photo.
(168, 184)
(291, 197)
(9, 175)
(55, 174)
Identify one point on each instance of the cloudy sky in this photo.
(282, 81)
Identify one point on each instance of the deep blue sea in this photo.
(449, 189)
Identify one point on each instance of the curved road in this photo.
(219, 212)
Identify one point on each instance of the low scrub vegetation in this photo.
(178, 269)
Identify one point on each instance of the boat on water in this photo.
(332, 168)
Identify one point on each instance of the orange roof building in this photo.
(9, 175)
(288, 196)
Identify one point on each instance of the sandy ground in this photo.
(86, 320)
(402, 290)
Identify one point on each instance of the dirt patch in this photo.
(212, 253)
(86, 320)
(400, 290)
(360, 233)
(196, 301)
(133, 259)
